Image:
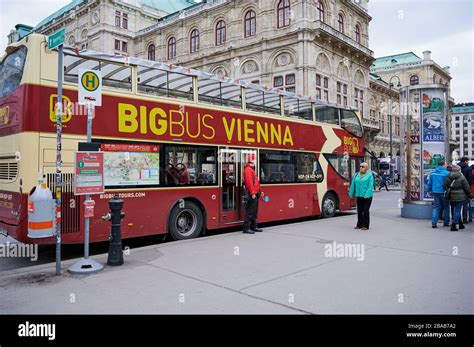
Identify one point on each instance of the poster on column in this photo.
(433, 133)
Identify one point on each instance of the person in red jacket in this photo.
(253, 194)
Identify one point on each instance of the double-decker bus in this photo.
(175, 141)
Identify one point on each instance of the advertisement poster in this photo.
(130, 165)
(433, 133)
(415, 187)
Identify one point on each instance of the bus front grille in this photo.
(70, 204)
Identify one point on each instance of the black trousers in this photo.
(251, 212)
(383, 185)
(363, 214)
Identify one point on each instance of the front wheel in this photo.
(329, 206)
(185, 222)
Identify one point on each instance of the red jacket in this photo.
(251, 180)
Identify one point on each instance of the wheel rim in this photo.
(329, 206)
(186, 222)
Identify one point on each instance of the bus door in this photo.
(231, 167)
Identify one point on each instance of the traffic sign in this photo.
(56, 39)
(90, 87)
(89, 173)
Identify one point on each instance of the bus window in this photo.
(116, 76)
(340, 164)
(11, 70)
(294, 107)
(259, 101)
(113, 75)
(165, 83)
(219, 93)
(351, 123)
(190, 165)
(326, 114)
(308, 168)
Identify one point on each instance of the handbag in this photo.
(447, 193)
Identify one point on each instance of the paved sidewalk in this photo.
(407, 267)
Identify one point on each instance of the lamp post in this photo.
(390, 122)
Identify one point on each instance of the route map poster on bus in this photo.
(131, 165)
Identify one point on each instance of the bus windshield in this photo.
(350, 122)
(11, 71)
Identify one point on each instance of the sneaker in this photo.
(461, 226)
(357, 227)
(364, 228)
(249, 232)
(453, 227)
(257, 230)
(434, 226)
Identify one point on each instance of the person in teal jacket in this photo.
(362, 188)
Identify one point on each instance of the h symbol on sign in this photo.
(90, 81)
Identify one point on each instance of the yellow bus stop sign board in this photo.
(90, 87)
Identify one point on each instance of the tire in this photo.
(185, 222)
(329, 206)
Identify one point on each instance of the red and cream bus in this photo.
(174, 140)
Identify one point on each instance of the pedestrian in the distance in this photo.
(362, 187)
(435, 186)
(471, 203)
(252, 186)
(383, 182)
(458, 191)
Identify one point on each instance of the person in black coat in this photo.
(466, 171)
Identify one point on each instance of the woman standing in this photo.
(458, 191)
(362, 187)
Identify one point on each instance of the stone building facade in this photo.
(317, 48)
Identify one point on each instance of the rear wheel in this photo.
(185, 222)
(329, 206)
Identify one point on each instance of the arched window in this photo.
(283, 13)
(414, 80)
(151, 52)
(340, 22)
(171, 48)
(194, 41)
(357, 33)
(321, 11)
(220, 33)
(250, 23)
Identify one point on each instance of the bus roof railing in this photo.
(156, 65)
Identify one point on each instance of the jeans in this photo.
(471, 210)
(465, 209)
(440, 202)
(457, 211)
(363, 214)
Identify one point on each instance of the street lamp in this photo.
(390, 122)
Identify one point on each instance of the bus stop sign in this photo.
(90, 87)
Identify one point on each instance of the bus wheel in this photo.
(185, 222)
(329, 206)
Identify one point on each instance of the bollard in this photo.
(115, 257)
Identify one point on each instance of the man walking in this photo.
(253, 195)
(436, 181)
(383, 182)
(466, 171)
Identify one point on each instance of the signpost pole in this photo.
(58, 189)
(90, 110)
(89, 81)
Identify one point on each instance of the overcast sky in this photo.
(445, 27)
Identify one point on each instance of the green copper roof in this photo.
(169, 6)
(396, 59)
(59, 13)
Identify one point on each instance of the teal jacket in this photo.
(362, 186)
